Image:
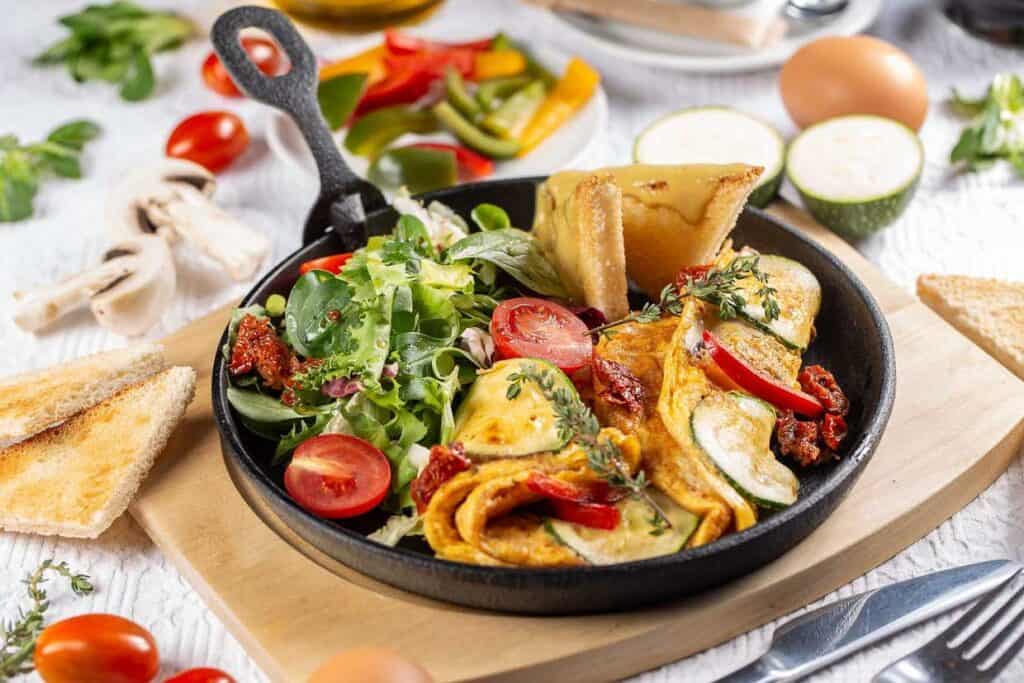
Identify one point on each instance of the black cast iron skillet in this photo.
(853, 341)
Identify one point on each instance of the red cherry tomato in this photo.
(96, 648)
(537, 328)
(748, 378)
(333, 263)
(210, 138)
(262, 52)
(335, 476)
(201, 675)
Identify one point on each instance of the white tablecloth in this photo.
(967, 224)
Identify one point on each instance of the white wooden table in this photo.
(967, 224)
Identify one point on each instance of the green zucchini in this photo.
(798, 293)
(856, 174)
(735, 430)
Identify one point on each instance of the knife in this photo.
(825, 635)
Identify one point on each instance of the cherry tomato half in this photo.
(593, 515)
(537, 328)
(262, 52)
(96, 648)
(337, 476)
(201, 675)
(332, 264)
(210, 138)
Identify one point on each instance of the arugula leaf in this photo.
(996, 131)
(23, 166)
(515, 252)
(114, 43)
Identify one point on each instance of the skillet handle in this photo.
(344, 197)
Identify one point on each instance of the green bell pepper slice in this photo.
(473, 137)
(509, 120)
(490, 93)
(458, 95)
(338, 97)
(416, 169)
(376, 130)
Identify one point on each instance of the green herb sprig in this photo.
(23, 166)
(577, 423)
(996, 130)
(668, 303)
(114, 42)
(18, 638)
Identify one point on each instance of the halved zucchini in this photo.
(716, 135)
(490, 425)
(856, 174)
(636, 538)
(798, 293)
(735, 430)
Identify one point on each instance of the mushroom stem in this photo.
(37, 308)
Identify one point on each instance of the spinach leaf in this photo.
(515, 252)
(313, 319)
(261, 408)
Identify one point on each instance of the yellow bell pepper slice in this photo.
(498, 64)
(369, 62)
(576, 86)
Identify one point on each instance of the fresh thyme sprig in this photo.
(668, 303)
(577, 423)
(719, 287)
(18, 638)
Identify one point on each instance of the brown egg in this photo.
(369, 665)
(841, 75)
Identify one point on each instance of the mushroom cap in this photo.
(133, 304)
(126, 214)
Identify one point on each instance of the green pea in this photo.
(275, 305)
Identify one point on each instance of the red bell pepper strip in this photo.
(472, 166)
(754, 382)
(586, 506)
(332, 264)
(409, 77)
(399, 43)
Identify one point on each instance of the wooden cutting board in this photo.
(956, 426)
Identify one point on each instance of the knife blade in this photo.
(825, 635)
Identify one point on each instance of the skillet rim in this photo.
(849, 466)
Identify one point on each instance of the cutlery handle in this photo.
(755, 672)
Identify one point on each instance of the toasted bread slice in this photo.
(579, 229)
(678, 216)
(988, 312)
(76, 478)
(34, 401)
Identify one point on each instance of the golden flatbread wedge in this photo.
(988, 312)
(578, 226)
(76, 478)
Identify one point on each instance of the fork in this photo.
(966, 651)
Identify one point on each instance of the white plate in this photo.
(657, 48)
(577, 144)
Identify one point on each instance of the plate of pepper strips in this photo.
(421, 114)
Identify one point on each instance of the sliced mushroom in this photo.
(173, 199)
(128, 292)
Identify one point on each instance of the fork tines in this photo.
(991, 625)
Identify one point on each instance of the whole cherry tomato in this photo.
(262, 52)
(210, 138)
(201, 675)
(96, 648)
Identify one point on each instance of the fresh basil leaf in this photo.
(139, 81)
(339, 96)
(490, 217)
(17, 186)
(313, 316)
(967, 106)
(60, 51)
(411, 230)
(516, 253)
(74, 134)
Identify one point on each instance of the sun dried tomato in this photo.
(257, 347)
(822, 385)
(444, 463)
(798, 439)
(833, 430)
(618, 385)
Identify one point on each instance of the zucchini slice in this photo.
(716, 135)
(636, 537)
(735, 430)
(856, 174)
(798, 293)
(490, 425)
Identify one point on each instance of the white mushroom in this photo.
(173, 199)
(128, 293)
